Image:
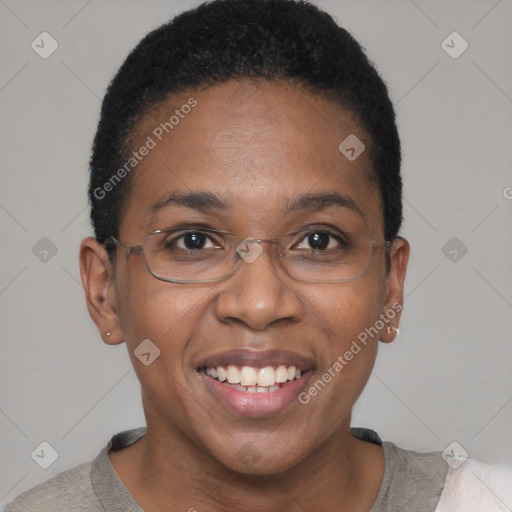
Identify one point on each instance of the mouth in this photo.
(249, 379)
(254, 384)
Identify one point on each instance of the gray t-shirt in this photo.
(412, 481)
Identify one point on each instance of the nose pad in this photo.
(250, 249)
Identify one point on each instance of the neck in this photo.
(166, 471)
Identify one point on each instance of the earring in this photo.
(108, 334)
(391, 328)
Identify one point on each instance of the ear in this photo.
(394, 298)
(100, 293)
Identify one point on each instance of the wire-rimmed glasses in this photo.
(317, 254)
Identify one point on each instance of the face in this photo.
(257, 148)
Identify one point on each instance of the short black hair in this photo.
(276, 40)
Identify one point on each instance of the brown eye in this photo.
(319, 241)
(194, 241)
(190, 241)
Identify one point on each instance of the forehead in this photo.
(258, 145)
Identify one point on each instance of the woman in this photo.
(245, 194)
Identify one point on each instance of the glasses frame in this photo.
(139, 250)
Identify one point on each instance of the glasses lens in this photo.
(199, 256)
(323, 260)
(188, 255)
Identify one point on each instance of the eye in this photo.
(320, 240)
(192, 241)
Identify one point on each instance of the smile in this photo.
(249, 379)
(255, 384)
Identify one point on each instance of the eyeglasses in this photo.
(198, 255)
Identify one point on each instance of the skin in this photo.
(258, 145)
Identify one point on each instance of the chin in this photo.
(262, 459)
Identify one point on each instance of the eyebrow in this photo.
(323, 202)
(202, 201)
(208, 201)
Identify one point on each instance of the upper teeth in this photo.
(249, 376)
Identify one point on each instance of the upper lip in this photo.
(257, 359)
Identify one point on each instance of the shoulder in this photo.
(93, 485)
(412, 480)
(475, 486)
(408, 466)
(68, 491)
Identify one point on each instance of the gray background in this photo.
(448, 377)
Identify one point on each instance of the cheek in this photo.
(329, 398)
(165, 313)
(148, 306)
(345, 314)
(167, 316)
(343, 311)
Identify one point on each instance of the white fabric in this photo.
(477, 487)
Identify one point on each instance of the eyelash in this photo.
(304, 236)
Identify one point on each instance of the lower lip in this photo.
(257, 405)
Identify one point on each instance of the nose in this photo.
(258, 295)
